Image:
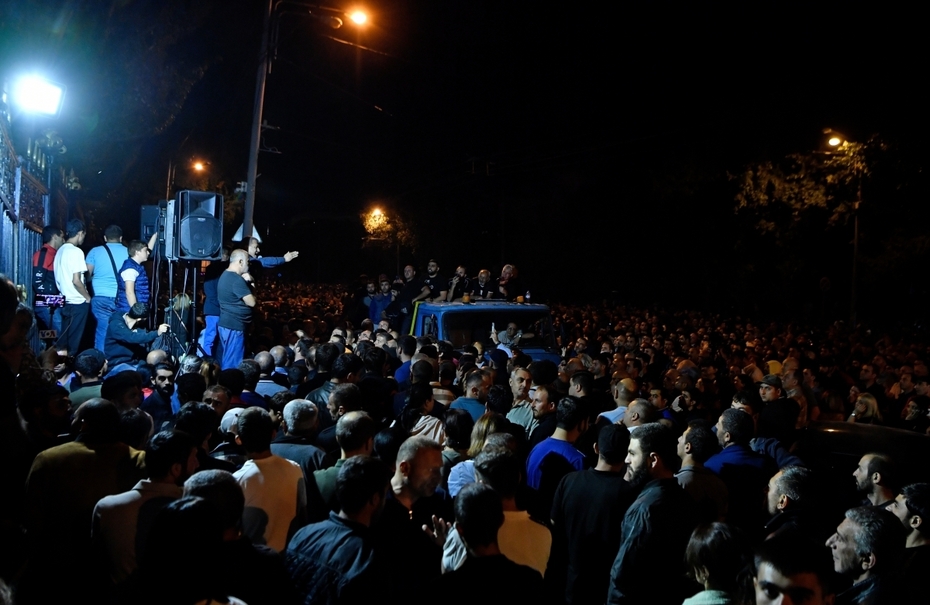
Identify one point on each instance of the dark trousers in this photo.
(73, 321)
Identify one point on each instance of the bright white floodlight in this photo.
(38, 95)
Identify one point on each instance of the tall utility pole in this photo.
(264, 63)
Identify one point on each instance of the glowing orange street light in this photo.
(358, 17)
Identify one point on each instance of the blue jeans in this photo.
(102, 307)
(232, 347)
(47, 318)
(208, 336)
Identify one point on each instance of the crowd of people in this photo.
(309, 450)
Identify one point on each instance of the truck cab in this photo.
(466, 323)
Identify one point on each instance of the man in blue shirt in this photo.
(477, 386)
(572, 422)
(745, 472)
(103, 262)
(268, 261)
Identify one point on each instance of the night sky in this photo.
(588, 144)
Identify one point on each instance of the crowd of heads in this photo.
(640, 390)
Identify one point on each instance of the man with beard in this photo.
(876, 479)
(381, 300)
(545, 403)
(414, 500)
(659, 521)
(912, 508)
(473, 400)
(438, 286)
(158, 404)
(458, 285)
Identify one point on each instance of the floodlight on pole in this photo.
(35, 94)
(358, 17)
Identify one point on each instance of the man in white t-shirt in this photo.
(70, 267)
(274, 487)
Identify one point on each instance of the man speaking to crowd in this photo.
(236, 302)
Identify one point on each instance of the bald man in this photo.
(236, 302)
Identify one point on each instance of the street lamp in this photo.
(838, 142)
(266, 55)
(379, 228)
(196, 165)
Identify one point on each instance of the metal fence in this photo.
(25, 209)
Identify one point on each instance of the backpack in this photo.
(43, 280)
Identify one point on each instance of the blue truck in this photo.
(466, 323)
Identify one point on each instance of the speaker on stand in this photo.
(197, 235)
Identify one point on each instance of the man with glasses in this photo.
(236, 302)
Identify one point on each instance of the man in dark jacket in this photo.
(334, 561)
(127, 336)
(658, 522)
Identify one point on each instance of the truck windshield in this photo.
(466, 328)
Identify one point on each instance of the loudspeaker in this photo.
(171, 229)
(152, 219)
(199, 234)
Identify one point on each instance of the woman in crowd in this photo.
(416, 418)
(866, 410)
(717, 558)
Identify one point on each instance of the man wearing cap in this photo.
(779, 415)
(126, 335)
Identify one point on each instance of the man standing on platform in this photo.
(236, 302)
(268, 261)
(133, 280)
(43, 280)
(103, 263)
(211, 304)
(70, 267)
